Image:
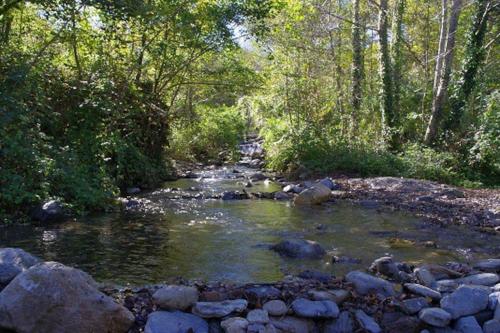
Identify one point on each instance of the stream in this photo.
(183, 232)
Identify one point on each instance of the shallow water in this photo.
(228, 240)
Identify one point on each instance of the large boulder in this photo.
(314, 195)
(466, 300)
(299, 248)
(174, 322)
(50, 211)
(14, 261)
(50, 297)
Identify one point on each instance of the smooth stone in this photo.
(315, 309)
(425, 277)
(219, 309)
(367, 322)
(293, 324)
(467, 325)
(178, 322)
(343, 324)
(336, 295)
(299, 248)
(365, 283)
(50, 211)
(435, 317)
(276, 308)
(50, 297)
(174, 297)
(488, 265)
(482, 279)
(385, 266)
(414, 305)
(423, 291)
(14, 261)
(313, 195)
(466, 300)
(492, 326)
(234, 325)
(493, 300)
(258, 316)
(446, 286)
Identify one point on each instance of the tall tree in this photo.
(386, 102)
(439, 98)
(357, 67)
(397, 56)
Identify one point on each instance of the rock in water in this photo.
(175, 322)
(300, 248)
(365, 283)
(219, 309)
(315, 309)
(14, 261)
(466, 300)
(385, 266)
(51, 211)
(50, 297)
(314, 195)
(176, 297)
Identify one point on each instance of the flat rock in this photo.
(174, 297)
(276, 308)
(343, 324)
(336, 295)
(467, 325)
(50, 297)
(291, 324)
(414, 305)
(365, 283)
(234, 325)
(219, 309)
(50, 211)
(425, 277)
(14, 261)
(262, 293)
(367, 322)
(488, 265)
(385, 266)
(482, 279)
(258, 316)
(491, 326)
(299, 248)
(178, 322)
(466, 300)
(315, 309)
(435, 317)
(420, 290)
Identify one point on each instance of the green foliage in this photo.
(210, 131)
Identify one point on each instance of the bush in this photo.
(211, 131)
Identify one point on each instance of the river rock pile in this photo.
(395, 297)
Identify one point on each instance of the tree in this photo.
(357, 67)
(442, 75)
(397, 56)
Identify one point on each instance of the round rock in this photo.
(315, 309)
(174, 297)
(276, 308)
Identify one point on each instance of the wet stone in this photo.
(423, 291)
(335, 295)
(260, 293)
(435, 317)
(365, 283)
(483, 279)
(14, 261)
(234, 325)
(493, 300)
(414, 305)
(367, 322)
(315, 309)
(174, 297)
(276, 308)
(405, 324)
(466, 300)
(446, 286)
(258, 316)
(300, 248)
(219, 309)
(488, 265)
(425, 277)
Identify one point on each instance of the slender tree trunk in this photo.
(440, 96)
(397, 57)
(357, 68)
(385, 92)
(474, 56)
(442, 45)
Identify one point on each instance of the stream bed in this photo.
(216, 240)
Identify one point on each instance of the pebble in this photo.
(466, 300)
(315, 309)
(219, 309)
(367, 322)
(276, 308)
(423, 291)
(435, 317)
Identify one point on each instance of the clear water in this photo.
(228, 240)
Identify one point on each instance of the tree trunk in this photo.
(474, 56)
(357, 68)
(397, 57)
(385, 75)
(439, 98)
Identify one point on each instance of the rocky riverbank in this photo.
(390, 296)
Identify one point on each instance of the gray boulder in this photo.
(467, 325)
(466, 300)
(314, 195)
(365, 283)
(315, 309)
(299, 248)
(435, 317)
(174, 297)
(219, 309)
(50, 297)
(50, 211)
(367, 322)
(14, 261)
(174, 322)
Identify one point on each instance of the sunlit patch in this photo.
(49, 236)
